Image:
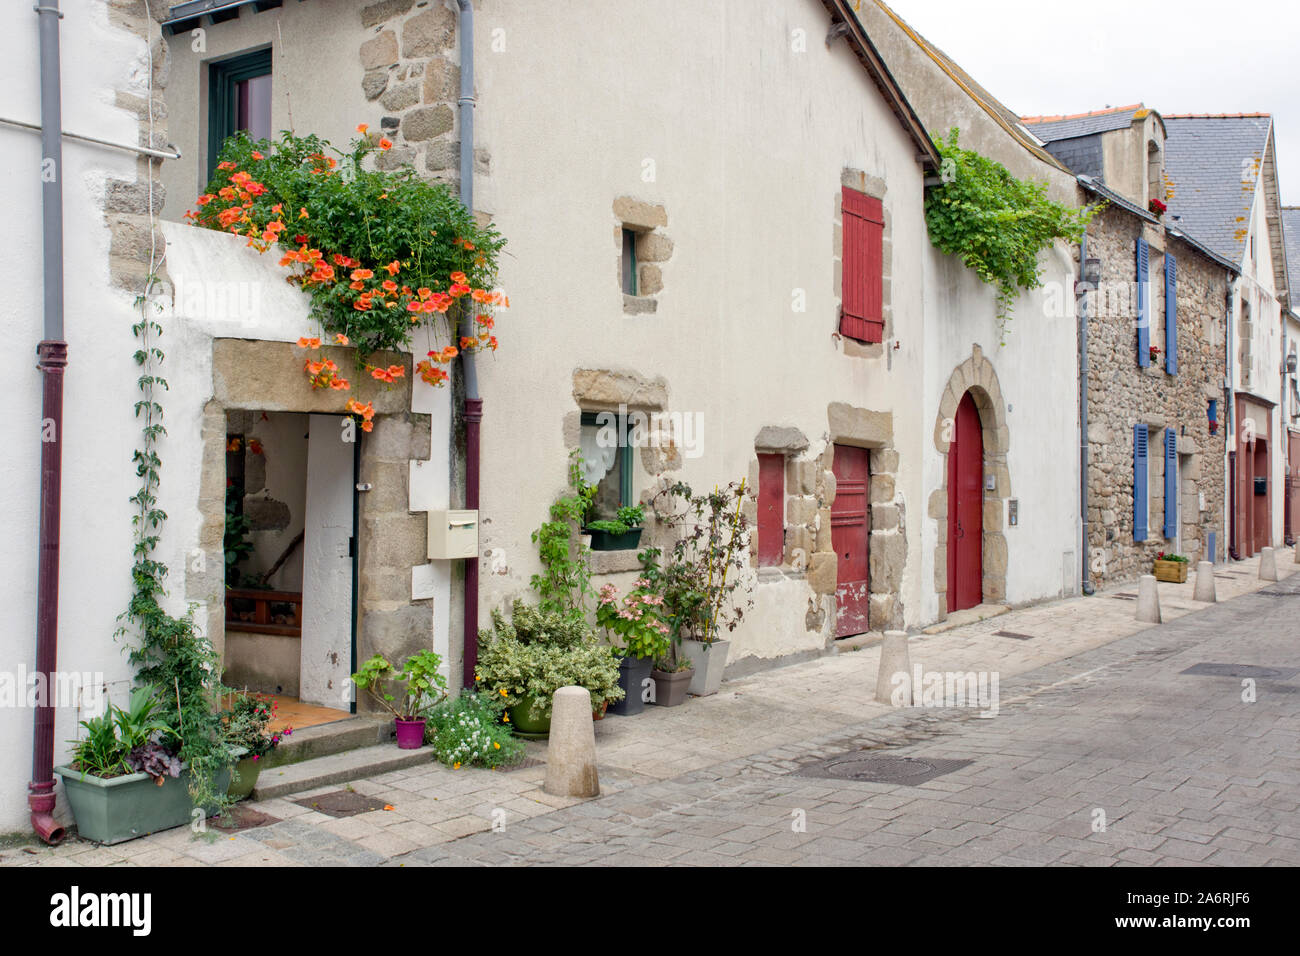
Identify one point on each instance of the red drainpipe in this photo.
(40, 792)
(473, 419)
(52, 355)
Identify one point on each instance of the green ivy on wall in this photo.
(995, 223)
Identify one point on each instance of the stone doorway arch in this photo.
(977, 376)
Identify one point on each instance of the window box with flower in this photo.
(1171, 568)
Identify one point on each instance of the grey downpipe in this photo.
(466, 114)
(1230, 424)
(1085, 584)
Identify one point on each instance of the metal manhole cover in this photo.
(1209, 669)
(241, 817)
(881, 768)
(1013, 634)
(341, 803)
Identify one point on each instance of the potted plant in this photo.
(124, 778)
(527, 659)
(1156, 207)
(672, 681)
(643, 637)
(424, 686)
(246, 721)
(703, 577)
(622, 533)
(1154, 352)
(1171, 568)
(468, 730)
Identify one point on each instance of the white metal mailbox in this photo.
(453, 534)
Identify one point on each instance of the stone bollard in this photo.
(1205, 583)
(1267, 565)
(1295, 552)
(894, 660)
(571, 750)
(1148, 608)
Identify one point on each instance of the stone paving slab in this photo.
(1094, 714)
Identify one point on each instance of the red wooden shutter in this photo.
(771, 510)
(862, 315)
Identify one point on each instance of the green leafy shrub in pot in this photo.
(423, 685)
(636, 620)
(703, 577)
(628, 518)
(246, 720)
(468, 731)
(131, 740)
(538, 652)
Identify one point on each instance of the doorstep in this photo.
(324, 740)
(335, 768)
(980, 612)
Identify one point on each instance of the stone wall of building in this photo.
(413, 75)
(1122, 394)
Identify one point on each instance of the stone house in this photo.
(743, 263)
(1222, 181)
(1156, 363)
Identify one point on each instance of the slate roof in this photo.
(1050, 129)
(1211, 165)
(1291, 239)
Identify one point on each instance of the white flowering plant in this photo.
(468, 731)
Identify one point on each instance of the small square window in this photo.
(239, 98)
(607, 461)
(627, 262)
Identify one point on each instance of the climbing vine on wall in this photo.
(172, 655)
(995, 223)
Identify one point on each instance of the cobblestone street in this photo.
(1098, 725)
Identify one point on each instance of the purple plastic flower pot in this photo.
(410, 734)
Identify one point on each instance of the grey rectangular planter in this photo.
(709, 661)
(671, 687)
(117, 809)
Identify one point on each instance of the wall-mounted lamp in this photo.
(1291, 363)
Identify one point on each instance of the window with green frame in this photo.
(607, 461)
(239, 98)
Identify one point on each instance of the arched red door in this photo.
(966, 508)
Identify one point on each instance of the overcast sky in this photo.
(1176, 56)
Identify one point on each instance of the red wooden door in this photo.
(966, 508)
(1262, 519)
(1293, 486)
(850, 529)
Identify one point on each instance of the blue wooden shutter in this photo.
(1140, 472)
(1171, 483)
(1171, 315)
(1143, 309)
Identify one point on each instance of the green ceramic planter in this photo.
(245, 778)
(117, 809)
(529, 723)
(604, 541)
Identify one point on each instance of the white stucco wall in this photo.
(747, 154)
(1257, 286)
(100, 430)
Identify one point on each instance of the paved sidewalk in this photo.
(1095, 715)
